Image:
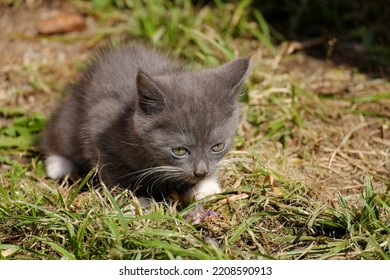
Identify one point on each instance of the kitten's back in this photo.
(114, 72)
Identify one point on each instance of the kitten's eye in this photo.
(218, 147)
(180, 151)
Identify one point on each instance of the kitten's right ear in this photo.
(150, 97)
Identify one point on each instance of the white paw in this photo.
(58, 166)
(204, 188)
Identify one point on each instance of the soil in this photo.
(24, 57)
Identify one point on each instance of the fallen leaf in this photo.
(267, 179)
(62, 23)
(276, 191)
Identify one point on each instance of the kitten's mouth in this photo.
(197, 179)
(193, 180)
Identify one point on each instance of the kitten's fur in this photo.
(131, 107)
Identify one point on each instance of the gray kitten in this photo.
(149, 124)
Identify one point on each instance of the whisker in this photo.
(160, 168)
(161, 171)
(179, 177)
(130, 144)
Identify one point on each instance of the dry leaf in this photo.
(62, 23)
(276, 191)
(266, 179)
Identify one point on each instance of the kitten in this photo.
(148, 124)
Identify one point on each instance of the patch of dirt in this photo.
(33, 68)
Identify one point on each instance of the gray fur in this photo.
(132, 106)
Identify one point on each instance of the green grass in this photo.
(41, 220)
(276, 202)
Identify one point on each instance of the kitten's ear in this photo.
(235, 73)
(150, 97)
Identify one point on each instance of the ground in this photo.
(313, 131)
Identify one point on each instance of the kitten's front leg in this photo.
(204, 188)
(58, 166)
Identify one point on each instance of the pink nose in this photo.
(201, 169)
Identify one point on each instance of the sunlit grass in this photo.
(271, 207)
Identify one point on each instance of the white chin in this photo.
(206, 187)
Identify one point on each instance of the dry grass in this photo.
(314, 141)
(331, 124)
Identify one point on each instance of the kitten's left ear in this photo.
(235, 73)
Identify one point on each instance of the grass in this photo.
(274, 221)
(312, 182)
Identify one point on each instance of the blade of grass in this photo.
(74, 193)
(370, 98)
(245, 224)
(59, 249)
(263, 34)
(116, 207)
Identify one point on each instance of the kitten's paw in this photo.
(58, 166)
(204, 188)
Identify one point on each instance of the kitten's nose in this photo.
(201, 170)
(201, 174)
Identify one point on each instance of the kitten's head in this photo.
(187, 121)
